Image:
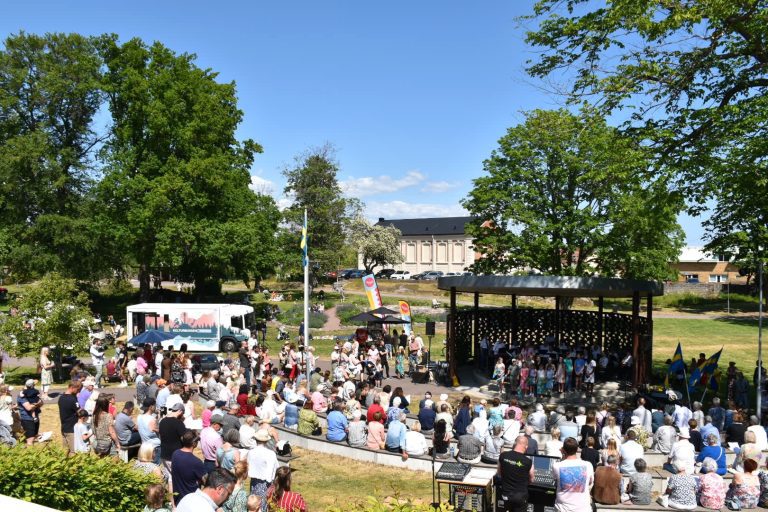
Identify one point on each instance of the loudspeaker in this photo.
(420, 377)
(430, 328)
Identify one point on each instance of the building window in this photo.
(426, 252)
(410, 253)
(458, 252)
(691, 278)
(442, 253)
(718, 278)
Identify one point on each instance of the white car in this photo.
(401, 274)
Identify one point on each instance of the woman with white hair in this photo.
(681, 489)
(415, 442)
(553, 446)
(712, 487)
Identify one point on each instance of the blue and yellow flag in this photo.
(694, 378)
(304, 244)
(714, 381)
(677, 365)
(710, 365)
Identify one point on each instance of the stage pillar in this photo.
(451, 355)
(636, 352)
(600, 320)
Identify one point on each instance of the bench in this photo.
(126, 451)
(656, 507)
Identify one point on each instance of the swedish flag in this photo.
(677, 365)
(714, 381)
(710, 365)
(304, 244)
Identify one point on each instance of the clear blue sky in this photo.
(413, 94)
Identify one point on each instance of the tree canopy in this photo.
(312, 184)
(161, 181)
(567, 194)
(693, 76)
(378, 245)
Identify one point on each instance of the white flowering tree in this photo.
(378, 245)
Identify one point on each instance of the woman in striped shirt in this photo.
(280, 496)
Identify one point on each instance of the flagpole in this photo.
(759, 390)
(685, 382)
(305, 258)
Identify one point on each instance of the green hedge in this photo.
(294, 315)
(47, 476)
(346, 311)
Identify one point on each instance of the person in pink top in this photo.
(376, 435)
(207, 413)
(141, 365)
(319, 402)
(210, 441)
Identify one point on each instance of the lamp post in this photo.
(760, 340)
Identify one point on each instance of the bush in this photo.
(295, 315)
(346, 311)
(117, 286)
(47, 476)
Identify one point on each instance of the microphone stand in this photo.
(435, 504)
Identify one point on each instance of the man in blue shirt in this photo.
(396, 431)
(708, 429)
(337, 424)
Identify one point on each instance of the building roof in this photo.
(550, 286)
(428, 226)
(696, 254)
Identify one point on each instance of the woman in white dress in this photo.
(610, 431)
(46, 372)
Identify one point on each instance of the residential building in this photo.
(698, 266)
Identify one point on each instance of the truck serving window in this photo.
(237, 321)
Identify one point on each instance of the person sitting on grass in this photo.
(280, 496)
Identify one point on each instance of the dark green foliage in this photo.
(567, 194)
(47, 476)
(294, 315)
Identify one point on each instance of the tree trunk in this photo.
(144, 282)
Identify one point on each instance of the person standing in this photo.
(244, 356)
(187, 471)
(171, 430)
(515, 471)
(97, 358)
(46, 372)
(210, 441)
(573, 480)
(262, 466)
(68, 408)
(29, 404)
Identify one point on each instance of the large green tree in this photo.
(49, 95)
(567, 194)
(693, 76)
(312, 184)
(176, 184)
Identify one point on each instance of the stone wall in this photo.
(706, 289)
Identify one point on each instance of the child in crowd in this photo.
(524, 371)
(82, 433)
(550, 378)
(532, 374)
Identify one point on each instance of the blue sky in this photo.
(414, 95)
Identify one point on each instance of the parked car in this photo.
(355, 274)
(204, 362)
(431, 275)
(332, 274)
(418, 276)
(343, 274)
(385, 274)
(400, 274)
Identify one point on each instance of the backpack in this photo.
(283, 448)
(177, 373)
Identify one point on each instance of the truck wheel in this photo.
(228, 346)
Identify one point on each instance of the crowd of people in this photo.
(227, 456)
(603, 456)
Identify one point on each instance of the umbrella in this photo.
(391, 320)
(152, 337)
(383, 311)
(364, 317)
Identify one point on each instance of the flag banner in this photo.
(372, 291)
(714, 381)
(677, 365)
(405, 314)
(304, 244)
(694, 378)
(710, 365)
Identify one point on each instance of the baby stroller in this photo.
(370, 372)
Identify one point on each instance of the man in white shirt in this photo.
(664, 438)
(573, 480)
(219, 485)
(643, 414)
(761, 439)
(630, 450)
(683, 454)
(538, 419)
(581, 417)
(159, 361)
(262, 465)
(681, 416)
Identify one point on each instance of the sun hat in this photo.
(261, 435)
